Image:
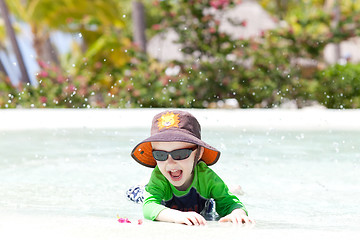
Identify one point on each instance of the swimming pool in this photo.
(300, 181)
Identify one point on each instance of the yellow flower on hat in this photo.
(168, 120)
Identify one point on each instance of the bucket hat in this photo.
(173, 126)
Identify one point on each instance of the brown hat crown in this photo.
(171, 121)
(173, 126)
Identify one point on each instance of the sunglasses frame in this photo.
(191, 149)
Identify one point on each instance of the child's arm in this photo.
(227, 204)
(237, 216)
(176, 216)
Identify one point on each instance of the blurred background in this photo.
(179, 53)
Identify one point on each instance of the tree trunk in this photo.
(44, 49)
(138, 17)
(6, 76)
(336, 25)
(10, 31)
(2, 69)
(332, 6)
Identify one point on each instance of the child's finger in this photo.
(198, 219)
(248, 220)
(235, 219)
(192, 220)
(245, 220)
(188, 222)
(224, 219)
(202, 220)
(195, 221)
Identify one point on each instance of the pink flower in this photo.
(254, 46)
(124, 220)
(43, 74)
(136, 93)
(291, 31)
(98, 65)
(43, 99)
(70, 88)
(219, 4)
(244, 23)
(156, 27)
(60, 79)
(43, 64)
(212, 30)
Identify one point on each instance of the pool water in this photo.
(297, 180)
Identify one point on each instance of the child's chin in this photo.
(179, 186)
(176, 182)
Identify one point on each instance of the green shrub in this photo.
(339, 86)
(7, 93)
(54, 89)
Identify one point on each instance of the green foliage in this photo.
(339, 86)
(7, 93)
(258, 72)
(55, 89)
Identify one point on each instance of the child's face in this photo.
(178, 172)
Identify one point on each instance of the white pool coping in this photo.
(247, 119)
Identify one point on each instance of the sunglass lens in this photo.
(160, 155)
(180, 154)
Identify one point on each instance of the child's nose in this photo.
(170, 160)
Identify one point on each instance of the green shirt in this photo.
(160, 194)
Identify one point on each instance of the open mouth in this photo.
(175, 175)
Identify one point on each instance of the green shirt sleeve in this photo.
(155, 192)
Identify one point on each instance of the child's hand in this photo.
(175, 216)
(191, 218)
(237, 216)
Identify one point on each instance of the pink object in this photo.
(126, 220)
(123, 220)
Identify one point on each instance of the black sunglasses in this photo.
(179, 154)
